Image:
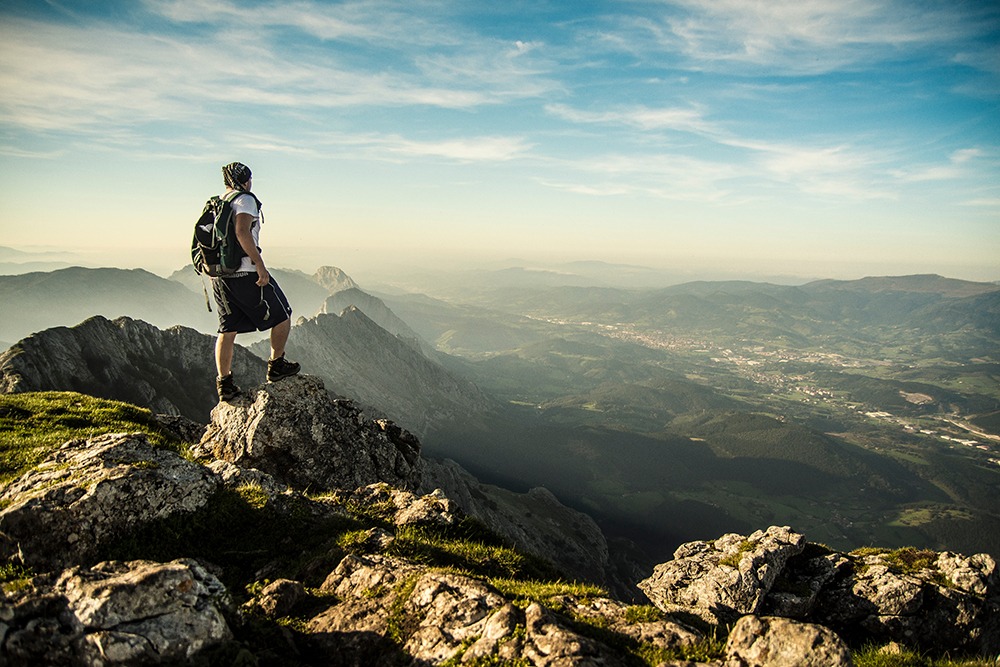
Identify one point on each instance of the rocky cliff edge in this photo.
(296, 533)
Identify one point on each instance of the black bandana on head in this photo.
(236, 175)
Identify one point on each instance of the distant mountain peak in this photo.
(334, 279)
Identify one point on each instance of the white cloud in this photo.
(800, 36)
(476, 149)
(644, 118)
(955, 168)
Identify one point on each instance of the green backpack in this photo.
(215, 250)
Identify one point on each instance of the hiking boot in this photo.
(227, 388)
(279, 369)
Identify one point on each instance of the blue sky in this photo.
(813, 138)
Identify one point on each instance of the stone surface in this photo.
(944, 602)
(116, 613)
(728, 577)
(89, 492)
(779, 642)
(295, 432)
(438, 616)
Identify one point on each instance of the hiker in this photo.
(250, 299)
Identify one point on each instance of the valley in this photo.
(865, 422)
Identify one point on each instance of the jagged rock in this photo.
(950, 604)
(940, 601)
(778, 642)
(90, 491)
(168, 371)
(233, 477)
(535, 522)
(294, 431)
(438, 616)
(729, 576)
(408, 508)
(280, 597)
(180, 427)
(116, 613)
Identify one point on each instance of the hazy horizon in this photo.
(376, 269)
(815, 139)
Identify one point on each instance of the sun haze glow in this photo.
(809, 137)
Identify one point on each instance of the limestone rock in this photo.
(91, 491)
(439, 616)
(949, 605)
(926, 600)
(729, 576)
(779, 642)
(294, 431)
(116, 613)
(408, 508)
(280, 597)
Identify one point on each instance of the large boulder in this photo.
(728, 577)
(779, 642)
(89, 492)
(925, 599)
(930, 600)
(116, 613)
(296, 432)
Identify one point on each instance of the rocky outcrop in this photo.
(935, 601)
(170, 372)
(115, 613)
(376, 571)
(294, 431)
(443, 616)
(728, 577)
(357, 358)
(90, 492)
(779, 642)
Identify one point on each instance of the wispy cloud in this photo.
(641, 117)
(956, 167)
(474, 149)
(91, 74)
(799, 36)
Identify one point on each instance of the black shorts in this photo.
(245, 307)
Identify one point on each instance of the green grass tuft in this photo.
(875, 656)
(36, 423)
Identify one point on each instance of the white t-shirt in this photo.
(247, 204)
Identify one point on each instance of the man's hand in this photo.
(263, 277)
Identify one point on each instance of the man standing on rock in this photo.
(250, 299)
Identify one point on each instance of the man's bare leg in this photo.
(224, 345)
(279, 336)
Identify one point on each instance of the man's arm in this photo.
(243, 235)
